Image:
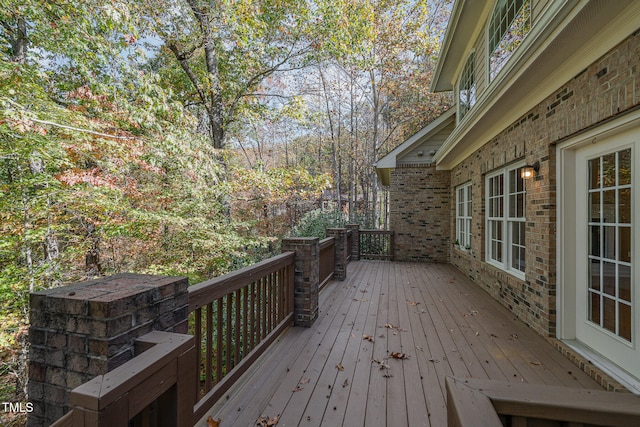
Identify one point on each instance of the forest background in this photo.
(187, 137)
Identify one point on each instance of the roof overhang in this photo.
(567, 38)
(386, 164)
(461, 31)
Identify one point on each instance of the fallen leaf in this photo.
(389, 326)
(298, 388)
(400, 356)
(213, 423)
(419, 348)
(368, 338)
(412, 302)
(264, 421)
(477, 333)
(536, 363)
(387, 375)
(305, 381)
(340, 367)
(345, 383)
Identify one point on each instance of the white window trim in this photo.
(507, 239)
(474, 85)
(464, 239)
(489, 51)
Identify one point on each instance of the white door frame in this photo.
(567, 261)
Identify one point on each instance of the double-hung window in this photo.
(509, 24)
(463, 215)
(467, 86)
(505, 202)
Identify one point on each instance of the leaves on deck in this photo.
(345, 383)
(399, 356)
(265, 421)
(340, 367)
(213, 423)
(368, 338)
(412, 302)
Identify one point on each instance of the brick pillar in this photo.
(306, 277)
(87, 329)
(355, 242)
(340, 240)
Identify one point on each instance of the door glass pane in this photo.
(624, 237)
(594, 240)
(624, 282)
(594, 173)
(609, 278)
(624, 312)
(624, 205)
(609, 242)
(594, 206)
(624, 167)
(609, 314)
(609, 170)
(594, 274)
(594, 307)
(609, 206)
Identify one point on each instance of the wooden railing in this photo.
(376, 244)
(327, 260)
(154, 388)
(484, 403)
(235, 318)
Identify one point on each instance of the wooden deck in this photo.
(341, 372)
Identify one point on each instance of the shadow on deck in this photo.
(378, 355)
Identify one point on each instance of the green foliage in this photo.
(315, 223)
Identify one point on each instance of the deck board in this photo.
(445, 324)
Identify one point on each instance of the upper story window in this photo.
(509, 24)
(467, 86)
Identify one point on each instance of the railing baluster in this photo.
(237, 326)
(198, 333)
(245, 321)
(229, 334)
(209, 348)
(219, 341)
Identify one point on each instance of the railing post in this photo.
(340, 244)
(355, 241)
(87, 329)
(306, 277)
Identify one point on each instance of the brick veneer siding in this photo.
(419, 211)
(607, 88)
(87, 329)
(306, 278)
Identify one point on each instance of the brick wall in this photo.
(419, 210)
(609, 87)
(87, 329)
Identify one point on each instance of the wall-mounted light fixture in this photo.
(530, 171)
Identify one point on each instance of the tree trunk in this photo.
(20, 41)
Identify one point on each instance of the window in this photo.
(463, 215)
(467, 86)
(610, 237)
(509, 24)
(506, 220)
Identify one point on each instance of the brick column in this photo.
(306, 277)
(355, 242)
(340, 240)
(87, 329)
